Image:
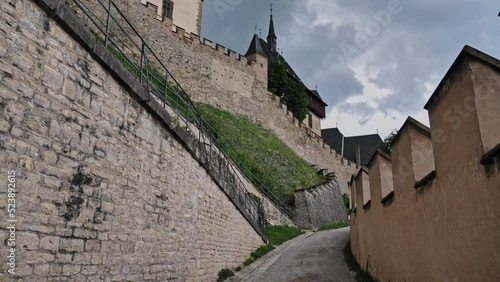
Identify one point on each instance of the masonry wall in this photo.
(220, 77)
(105, 191)
(441, 222)
(320, 205)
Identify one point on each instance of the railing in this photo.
(118, 35)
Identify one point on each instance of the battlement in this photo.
(326, 149)
(190, 38)
(438, 182)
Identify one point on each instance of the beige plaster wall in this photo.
(448, 229)
(316, 123)
(486, 83)
(422, 154)
(105, 192)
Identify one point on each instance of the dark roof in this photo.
(368, 144)
(260, 46)
(333, 137)
(255, 47)
(315, 93)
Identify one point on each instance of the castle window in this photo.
(169, 9)
(310, 117)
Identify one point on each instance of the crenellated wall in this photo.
(215, 75)
(429, 212)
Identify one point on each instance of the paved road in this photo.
(318, 257)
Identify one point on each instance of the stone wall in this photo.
(105, 191)
(319, 205)
(429, 212)
(222, 78)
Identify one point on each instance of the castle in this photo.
(113, 187)
(269, 49)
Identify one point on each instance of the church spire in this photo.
(271, 37)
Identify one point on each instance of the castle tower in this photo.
(271, 37)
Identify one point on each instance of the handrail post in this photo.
(166, 88)
(107, 24)
(187, 113)
(142, 60)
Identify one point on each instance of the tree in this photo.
(345, 198)
(292, 92)
(386, 146)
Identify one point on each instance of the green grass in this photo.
(261, 155)
(261, 251)
(336, 225)
(279, 234)
(224, 274)
(248, 261)
(361, 275)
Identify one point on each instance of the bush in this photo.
(248, 261)
(345, 198)
(224, 274)
(261, 251)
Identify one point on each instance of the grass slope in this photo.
(278, 234)
(261, 155)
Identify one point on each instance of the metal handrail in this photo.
(166, 87)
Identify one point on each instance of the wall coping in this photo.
(416, 124)
(467, 52)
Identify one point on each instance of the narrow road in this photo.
(318, 257)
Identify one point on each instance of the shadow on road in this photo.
(361, 275)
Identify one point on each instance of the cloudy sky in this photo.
(375, 62)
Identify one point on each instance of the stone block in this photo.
(34, 257)
(27, 241)
(69, 89)
(88, 269)
(52, 78)
(92, 245)
(69, 269)
(42, 269)
(82, 258)
(49, 243)
(71, 245)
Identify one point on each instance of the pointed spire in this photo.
(271, 37)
